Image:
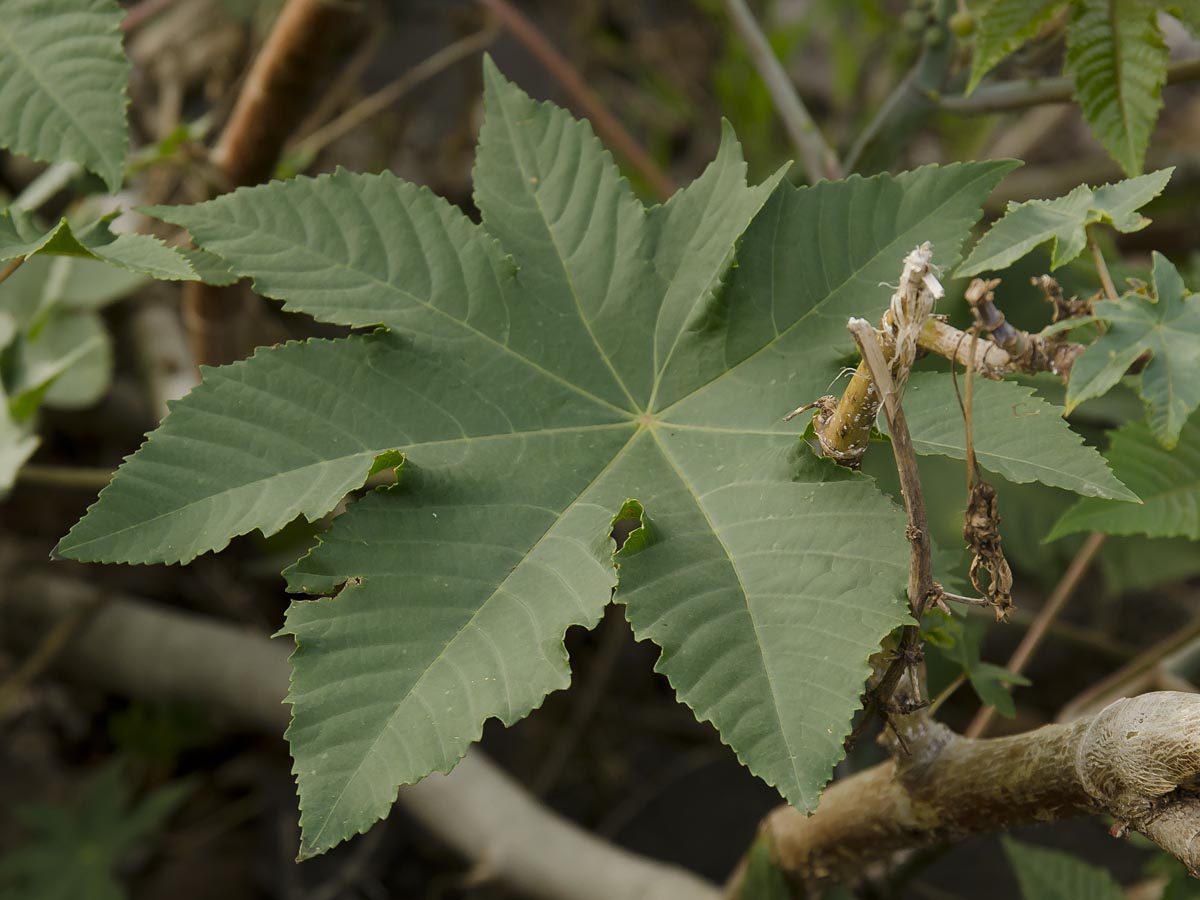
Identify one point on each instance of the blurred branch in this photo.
(817, 157)
(908, 106)
(611, 131)
(11, 267)
(373, 105)
(145, 651)
(1010, 95)
(52, 180)
(1156, 668)
(143, 12)
(288, 70)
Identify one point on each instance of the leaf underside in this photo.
(62, 83)
(1015, 434)
(1064, 222)
(574, 351)
(1118, 60)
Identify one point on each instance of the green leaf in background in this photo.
(1118, 60)
(20, 235)
(1064, 222)
(959, 640)
(56, 348)
(17, 443)
(66, 363)
(1180, 884)
(210, 268)
(63, 75)
(617, 353)
(1015, 433)
(1168, 481)
(1053, 875)
(764, 880)
(1002, 27)
(74, 852)
(47, 284)
(1136, 563)
(1168, 329)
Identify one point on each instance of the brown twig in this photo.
(1029, 353)
(981, 517)
(920, 564)
(611, 131)
(818, 158)
(274, 97)
(140, 13)
(1033, 638)
(10, 268)
(374, 104)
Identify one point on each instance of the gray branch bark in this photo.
(134, 648)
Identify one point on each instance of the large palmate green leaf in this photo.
(1003, 26)
(21, 236)
(1015, 434)
(538, 371)
(1168, 329)
(62, 83)
(1053, 875)
(1168, 481)
(1064, 222)
(1118, 60)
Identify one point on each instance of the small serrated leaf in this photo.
(1064, 221)
(1167, 328)
(21, 236)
